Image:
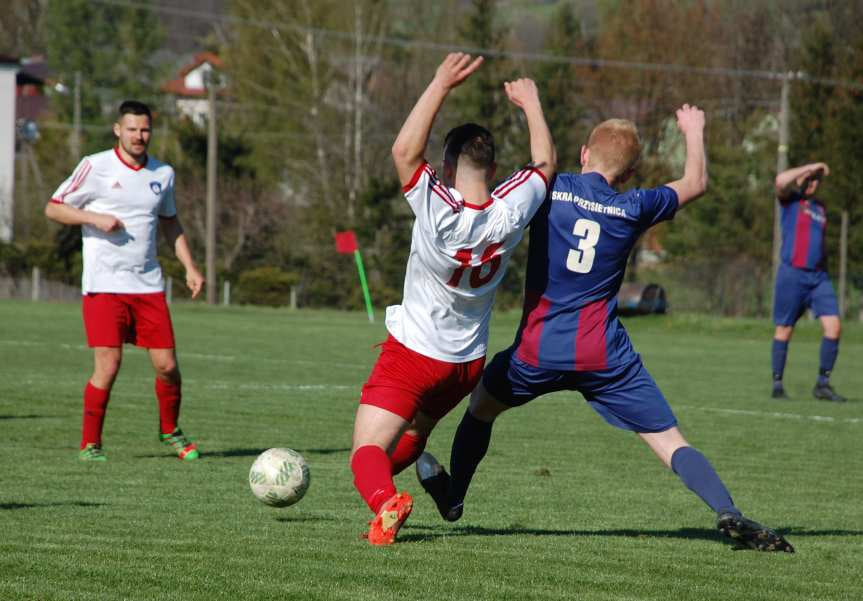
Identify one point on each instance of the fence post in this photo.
(169, 290)
(35, 284)
(293, 298)
(226, 293)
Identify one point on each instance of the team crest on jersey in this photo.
(156, 187)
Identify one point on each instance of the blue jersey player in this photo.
(801, 281)
(570, 337)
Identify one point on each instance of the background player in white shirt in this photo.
(462, 240)
(120, 197)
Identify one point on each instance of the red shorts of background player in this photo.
(404, 382)
(140, 319)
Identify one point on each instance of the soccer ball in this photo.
(279, 477)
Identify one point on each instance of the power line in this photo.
(526, 56)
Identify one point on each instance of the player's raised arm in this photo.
(690, 121)
(523, 94)
(410, 145)
(793, 178)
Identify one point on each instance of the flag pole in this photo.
(365, 285)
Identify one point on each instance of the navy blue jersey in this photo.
(580, 240)
(803, 224)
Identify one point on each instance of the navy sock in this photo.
(698, 475)
(829, 352)
(779, 354)
(468, 448)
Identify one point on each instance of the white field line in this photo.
(224, 385)
(778, 414)
(191, 355)
(214, 384)
(261, 386)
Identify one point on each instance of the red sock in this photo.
(407, 450)
(169, 405)
(373, 476)
(95, 402)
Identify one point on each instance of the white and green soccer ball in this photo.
(279, 477)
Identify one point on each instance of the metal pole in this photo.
(781, 165)
(212, 151)
(226, 293)
(35, 284)
(843, 261)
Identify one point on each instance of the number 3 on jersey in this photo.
(580, 259)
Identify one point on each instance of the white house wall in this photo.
(7, 150)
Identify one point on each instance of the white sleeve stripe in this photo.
(445, 191)
(513, 183)
(78, 180)
(441, 190)
(444, 195)
(509, 181)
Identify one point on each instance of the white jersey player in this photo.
(463, 237)
(120, 197)
(459, 254)
(122, 260)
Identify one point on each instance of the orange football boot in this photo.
(393, 513)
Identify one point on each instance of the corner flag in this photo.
(346, 244)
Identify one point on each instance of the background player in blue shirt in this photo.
(801, 281)
(570, 337)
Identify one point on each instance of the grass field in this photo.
(564, 507)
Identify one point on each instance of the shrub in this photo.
(265, 286)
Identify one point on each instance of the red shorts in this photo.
(142, 319)
(404, 382)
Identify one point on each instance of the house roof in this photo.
(35, 69)
(178, 84)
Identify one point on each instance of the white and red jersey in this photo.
(459, 253)
(123, 261)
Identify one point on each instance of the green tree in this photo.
(482, 99)
(112, 48)
(20, 34)
(561, 90)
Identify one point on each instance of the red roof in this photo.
(178, 84)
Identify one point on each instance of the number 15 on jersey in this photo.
(580, 259)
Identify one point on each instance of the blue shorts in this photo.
(625, 396)
(801, 289)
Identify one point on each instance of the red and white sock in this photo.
(169, 397)
(95, 403)
(407, 450)
(373, 477)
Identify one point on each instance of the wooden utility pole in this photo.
(212, 157)
(781, 165)
(76, 118)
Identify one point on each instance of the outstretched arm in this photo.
(410, 145)
(793, 178)
(173, 232)
(523, 94)
(690, 121)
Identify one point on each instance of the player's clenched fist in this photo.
(522, 92)
(455, 68)
(690, 119)
(106, 223)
